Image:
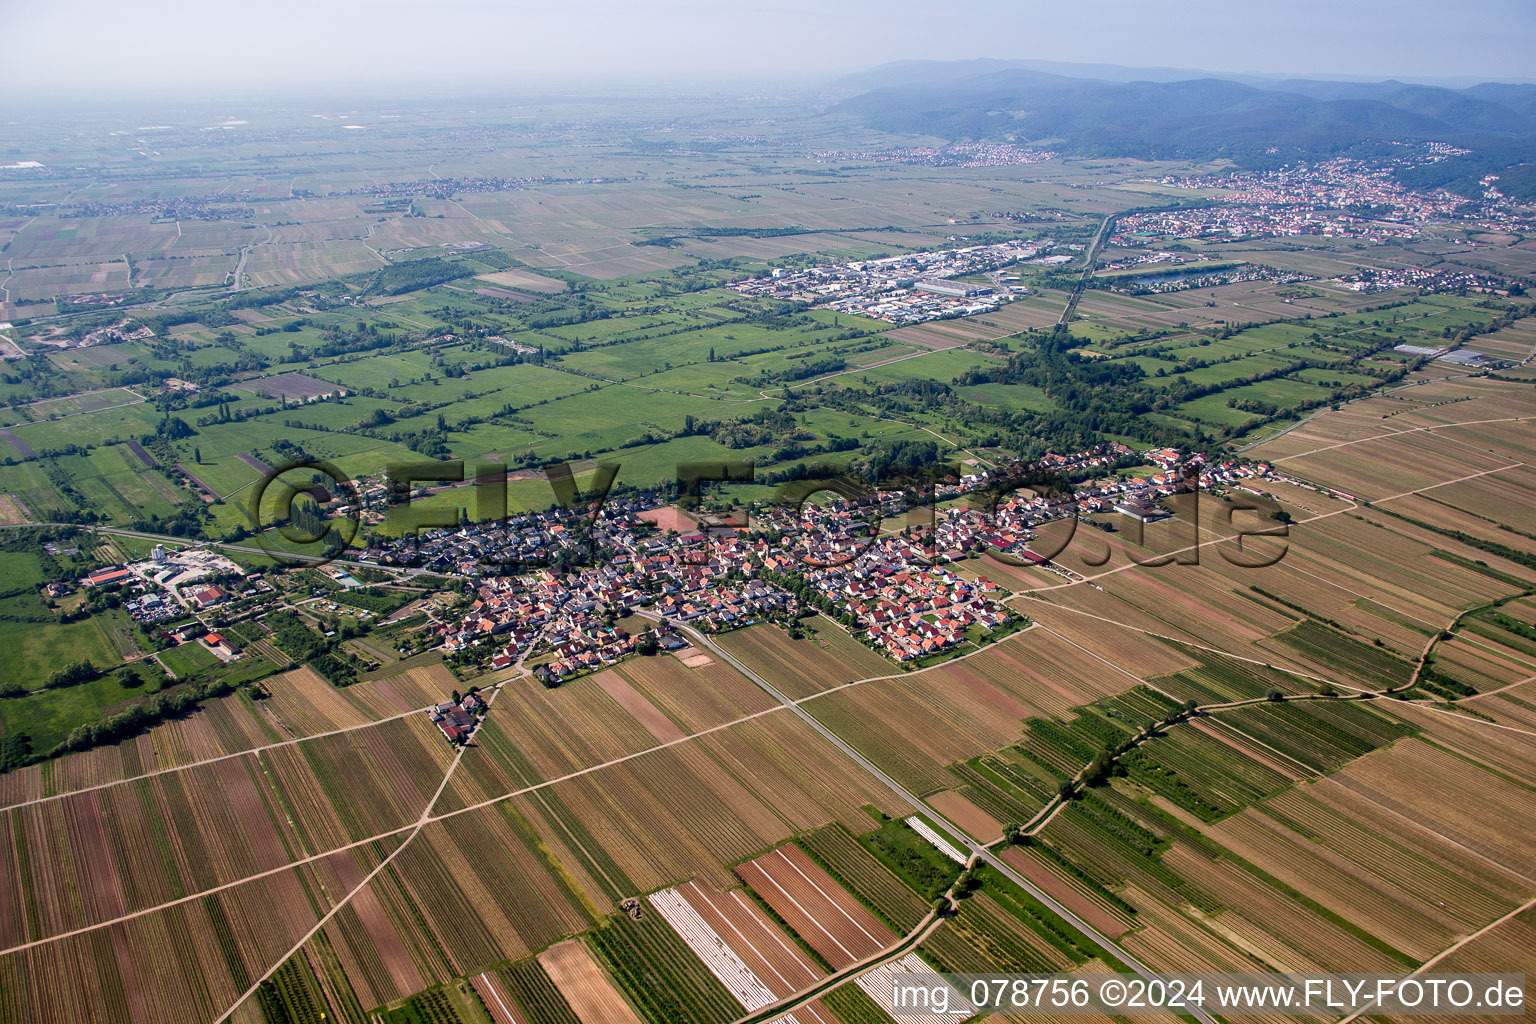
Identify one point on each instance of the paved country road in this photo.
(1103, 941)
(1093, 263)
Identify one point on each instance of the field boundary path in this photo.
(1453, 947)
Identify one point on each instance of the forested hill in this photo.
(1254, 124)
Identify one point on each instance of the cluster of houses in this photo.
(1233, 223)
(588, 645)
(1379, 279)
(725, 607)
(715, 582)
(1342, 197)
(458, 718)
(514, 544)
(908, 612)
(572, 613)
(893, 588)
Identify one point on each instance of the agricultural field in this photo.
(695, 697)
(220, 727)
(915, 727)
(306, 703)
(761, 951)
(526, 987)
(1001, 926)
(824, 659)
(589, 992)
(851, 864)
(517, 906)
(551, 734)
(1263, 790)
(38, 647)
(625, 832)
(839, 928)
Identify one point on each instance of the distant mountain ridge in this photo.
(1256, 123)
(905, 71)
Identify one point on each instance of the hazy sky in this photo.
(221, 50)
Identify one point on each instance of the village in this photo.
(567, 587)
(1337, 184)
(1380, 279)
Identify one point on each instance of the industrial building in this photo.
(955, 289)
